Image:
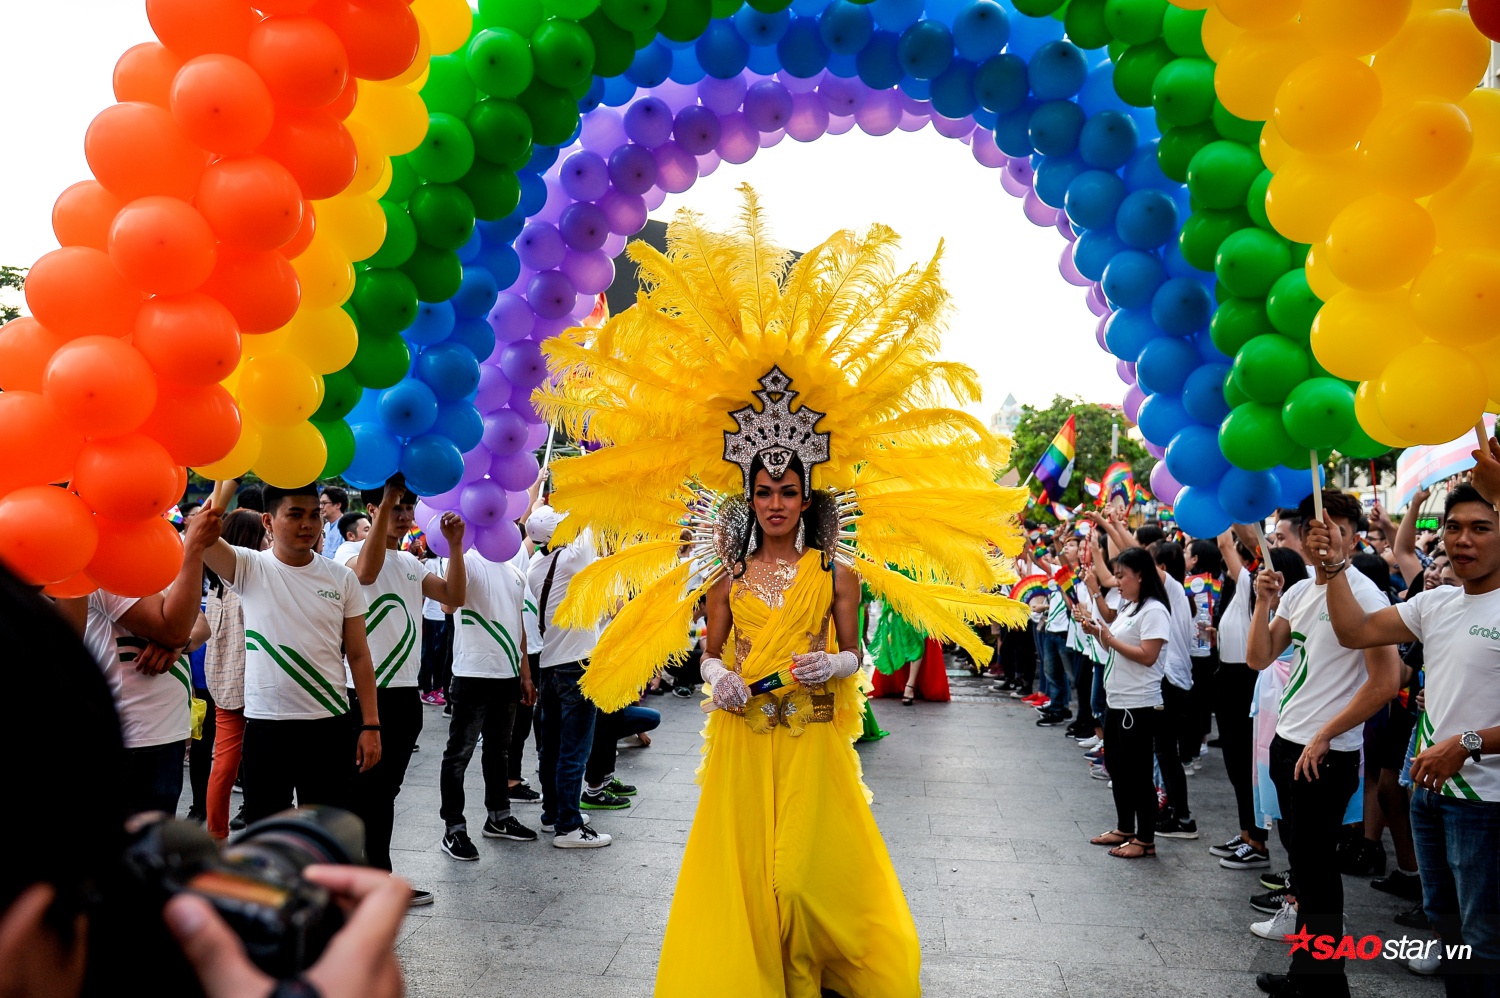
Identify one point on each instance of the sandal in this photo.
(1134, 849)
(908, 695)
(1113, 837)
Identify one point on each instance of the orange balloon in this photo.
(82, 214)
(1416, 148)
(381, 36)
(343, 105)
(317, 148)
(1456, 298)
(25, 347)
(304, 236)
(162, 245)
(47, 535)
(251, 202)
(188, 340)
(197, 27)
(259, 289)
(76, 587)
(76, 291)
(222, 104)
(144, 73)
(197, 426)
(301, 59)
(136, 149)
(36, 445)
(129, 477)
(135, 557)
(100, 385)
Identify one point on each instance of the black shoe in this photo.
(419, 898)
(1049, 719)
(1413, 917)
(602, 800)
(620, 789)
(1403, 885)
(237, 823)
(1319, 986)
(1276, 881)
(522, 793)
(657, 691)
(682, 691)
(1363, 858)
(447, 712)
(1269, 902)
(1270, 983)
(1173, 827)
(510, 829)
(457, 845)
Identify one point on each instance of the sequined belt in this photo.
(804, 705)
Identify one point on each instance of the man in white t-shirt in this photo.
(522, 792)
(1455, 807)
(303, 615)
(1315, 755)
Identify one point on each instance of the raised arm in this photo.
(1269, 635)
(371, 558)
(169, 620)
(1486, 474)
(1354, 626)
(452, 588)
(1405, 544)
(1230, 552)
(219, 555)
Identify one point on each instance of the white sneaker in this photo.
(582, 837)
(1425, 965)
(586, 820)
(1090, 743)
(1279, 925)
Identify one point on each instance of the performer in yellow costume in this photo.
(793, 416)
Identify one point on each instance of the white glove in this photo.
(818, 666)
(730, 691)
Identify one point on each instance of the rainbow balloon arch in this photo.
(330, 237)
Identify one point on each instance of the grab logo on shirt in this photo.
(1484, 632)
(410, 577)
(330, 594)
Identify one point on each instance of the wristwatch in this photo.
(1471, 741)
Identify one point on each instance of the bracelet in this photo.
(369, 727)
(1335, 568)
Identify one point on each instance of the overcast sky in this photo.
(1016, 321)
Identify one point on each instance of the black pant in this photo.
(1173, 732)
(437, 654)
(687, 675)
(1129, 736)
(609, 728)
(523, 726)
(375, 790)
(1201, 702)
(480, 707)
(1083, 688)
(1018, 655)
(153, 778)
(201, 758)
(1312, 816)
(1233, 689)
(312, 759)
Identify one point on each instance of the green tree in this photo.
(1039, 426)
(13, 278)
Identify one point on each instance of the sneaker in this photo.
(522, 793)
(1275, 881)
(237, 789)
(682, 691)
(620, 789)
(1049, 718)
(1425, 965)
(549, 828)
(510, 829)
(1021, 693)
(1095, 756)
(434, 698)
(582, 837)
(237, 823)
(602, 800)
(1246, 857)
(1090, 743)
(1098, 772)
(457, 845)
(419, 898)
(1413, 917)
(1177, 828)
(1279, 925)
(1227, 849)
(1363, 858)
(1271, 901)
(1190, 768)
(1038, 700)
(447, 710)
(1401, 884)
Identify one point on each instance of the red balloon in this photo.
(136, 149)
(197, 426)
(36, 445)
(76, 291)
(136, 557)
(260, 289)
(144, 73)
(129, 477)
(198, 27)
(100, 386)
(162, 245)
(304, 236)
(343, 104)
(1486, 15)
(222, 104)
(300, 58)
(381, 36)
(47, 535)
(77, 587)
(251, 202)
(188, 340)
(317, 148)
(25, 347)
(283, 6)
(82, 214)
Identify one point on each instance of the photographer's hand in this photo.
(360, 961)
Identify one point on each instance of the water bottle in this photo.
(1205, 619)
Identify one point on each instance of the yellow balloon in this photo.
(448, 23)
(396, 114)
(279, 390)
(1325, 104)
(291, 455)
(1356, 333)
(1319, 277)
(239, 459)
(262, 344)
(387, 174)
(1255, 15)
(1218, 33)
(370, 153)
(1380, 242)
(1439, 55)
(1274, 152)
(416, 73)
(1370, 420)
(1482, 108)
(1417, 148)
(1308, 191)
(1254, 66)
(1457, 297)
(325, 339)
(1190, 4)
(325, 273)
(231, 384)
(1431, 393)
(1353, 27)
(1488, 355)
(1467, 211)
(355, 223)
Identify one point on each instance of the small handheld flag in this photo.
(1027, 589)
(1055, 469)
(1119, 480)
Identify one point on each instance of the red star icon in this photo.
(1300, 940)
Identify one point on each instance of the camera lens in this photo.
(303, 836)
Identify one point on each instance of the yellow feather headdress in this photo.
(913, 476)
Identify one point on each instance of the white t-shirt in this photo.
(391, 623)
(431, 608)
(561, 644)
(1057, 610)
(521, 562)
(488, 629)
(1127, 684)
(1089, 645)
(1177, 664)
(154, 710)
(294, 634)
(1460, 635)
(1325, 675)
(1234, 623)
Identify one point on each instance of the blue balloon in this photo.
(408, 408)
(1249, 496)
(449, 369)
(1207, 352)
(764, 61)
(1147, 220)
(1296, 484)
(542, 158)
(1027, 34)
(926, 49)
(1203, 394)
(651, 66)
(846, 27)
(808, 8)
(469, 251)
(1057, 71)
(1198, 512)
(618, 92)
(475, 334)
(433, 324)
(916, 89)
(1177, 266)
(432, 464)
(1092, 199)
(1092, 252)
(1143, 169)
(673, 44)
(502, 261)
(953, 90)
(1108, 140)
(1181, 306)
(590, 100)
(981, 29)
(1164, 365)
(759, 28)
(801, 49)
(461, 423)
(845, 67)
(685, 70)
(1161, 418)
(1128, 331)
(945, 11)
(377, 455)
(533, 193)
(502, 231)
(878, 63)
(476, 294)
(1013, 131)
(367, 409)
(1098, 90)
(1055, 127)
(1000, 83)
(1053, 175)
(721, 51)
(896, 15)
(1132, 277)
(1194, 458)
(984, 118)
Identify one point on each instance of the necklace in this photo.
(768, 582)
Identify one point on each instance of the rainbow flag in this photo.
(1025, 590)
(1055, 468)
(1064, 577)
(1119, 480)
(1061, 512)
(1094, 491)
(1142, 496)
(1204, 583)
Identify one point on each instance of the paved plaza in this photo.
(986, 817)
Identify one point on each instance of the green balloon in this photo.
(684, 20)
(1135, 22)
(1182, 30)
(340, 441)
(446, 152)
(499, 62)
(385, 302)
(443, 215)
(501, 131)
(493, 190)
(573, 10)
(341, 393)
(1299, 254)
(1236, 322)
(563, 53)
(1255, 201)
(1178, 146)
(1220, 174)
(1292, 306)
(448, 88)
(1268, 367)
(1205, 230)
(1183, 92)
(1234, 395)
(728, 8)
(436, 273)
(380, 361)
(1251, 260)
(614, 47)
(400, 237)
(1116, 49)
(638, 15)
(1085, 24)
(404, 180)
(1037, 8)
(1235, 129)
(1253, 438)
(1319, 412)
(1360, 446)
(1136, 70)
(520, 16)
(553, 113)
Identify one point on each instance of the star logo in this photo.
(1300, 940)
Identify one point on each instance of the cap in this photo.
(541, 523)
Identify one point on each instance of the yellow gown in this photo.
(786, 887)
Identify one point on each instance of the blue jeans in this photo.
(1055, 661)
(1458, 853)
(565, 722)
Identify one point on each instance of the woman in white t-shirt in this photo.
(1176, 743)
(1132, 685)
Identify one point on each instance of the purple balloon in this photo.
(536, 435)
(1126, 370)
(1156, 450)
(557, 200)
(1065, 227)
(476, 465)
(551, 294)
(499, 542)
(1015, 188)
(626, 212)
(798, 84)
(523, 365)
(1098, 304)
(738, 140)
(654, 198)
(677, 95)
(615, 244)
(912, 122)
(584, 227)
(708, 163)
(809, 118)
(1163, 485)
(516, 505)
(511, 318)
(910, 104)
(516, 472)
(584, 176)
(1069, 272)
(435, 539)
(494, 389)
(1018, 168)
(482, 503)
(540, 246)
(590, 272)
(841, 96)
(632, 169)
(1134, 397)
(880, 115)
(649, 122)
(548, 327)
(696, 130)
(840, 125)
(422, 512)
(769, 139)
(676, 168)
(603, 130)
(768, 105)
(1099, 333)
(505, 432)
(520, 404)
(1037, 212)
(722, 96)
